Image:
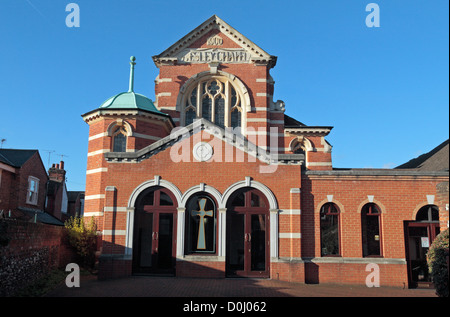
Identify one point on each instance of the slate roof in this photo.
(72, 195)
(41, 216)
(435, 160)
(290, 122)
(15, 158)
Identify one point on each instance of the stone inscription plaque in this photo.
(214, 55)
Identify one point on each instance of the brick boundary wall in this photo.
(29, 251)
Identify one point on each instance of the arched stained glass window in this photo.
(190, 115)
(235, 117)
(206, 107)
(120, 140)
(219, 115)
(216, 100)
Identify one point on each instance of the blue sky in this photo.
(385, 90)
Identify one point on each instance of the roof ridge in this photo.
(5, 160)
(418, 161)
(15, 160)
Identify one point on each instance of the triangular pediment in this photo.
(236, 140)
(214, 41)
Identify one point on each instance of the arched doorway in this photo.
(247, 251)
(154, 234)
(419, 236)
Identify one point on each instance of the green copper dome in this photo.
(130, 99)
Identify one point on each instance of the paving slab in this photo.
(148, 286)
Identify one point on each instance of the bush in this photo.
(43, 285)
(437, 263)
(83, 237)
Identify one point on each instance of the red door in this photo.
(154, 241)
(419, 235)
(248, 235)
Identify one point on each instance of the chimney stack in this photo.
(57, 172)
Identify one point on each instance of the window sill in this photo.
(201, 258)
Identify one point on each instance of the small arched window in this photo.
(371, 230)
(119, 140)
(297, 146)
(216, 100)
(329, 230)
(428, 213)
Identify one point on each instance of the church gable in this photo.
(214, 41)
(216, 73)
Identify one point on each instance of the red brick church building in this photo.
(213, 179)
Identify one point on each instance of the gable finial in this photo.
(132, 63)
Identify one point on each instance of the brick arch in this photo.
(334, 201)
(304, 143)
(374, 201)
(119, 122)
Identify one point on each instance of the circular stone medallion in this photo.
(202, 151)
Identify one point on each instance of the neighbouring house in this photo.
(75, 206)
(435, 160)
(62, 203)
(57, 196)
(23, 186)
(32, 240)
(28, 193)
